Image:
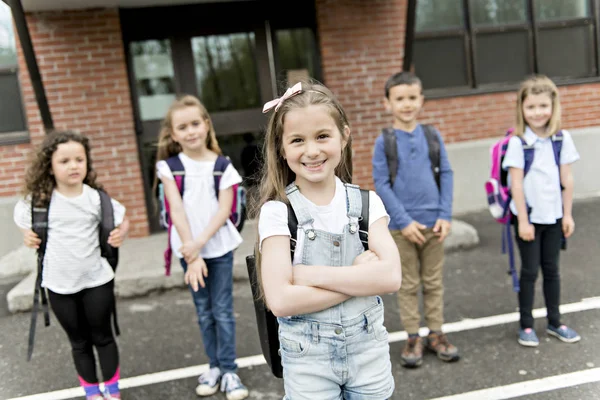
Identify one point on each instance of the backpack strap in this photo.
(220, 166)
(390, 146)
(363, 222)
(557, 141)
(528, 155)
(107, 225)
(434, 146)
(178, 171)
(39, 224)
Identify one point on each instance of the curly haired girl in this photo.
(79, 281)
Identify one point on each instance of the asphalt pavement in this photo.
(161, 349)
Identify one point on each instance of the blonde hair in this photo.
(166, 146)
(276, 174)
(538, 84)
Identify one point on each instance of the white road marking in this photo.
(244, 362)
(530, 387)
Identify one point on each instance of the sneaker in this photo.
(528, 338)
(110, 397)
(233, 387)
(209, 382)
(412, 354)
(438, 343)
(563, 333)
(95, 397)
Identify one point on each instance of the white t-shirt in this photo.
(331, 218)
(201, 204)
(72, 261)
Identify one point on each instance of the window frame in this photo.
(470, 32)
(22, 135)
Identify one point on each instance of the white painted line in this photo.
(188, 372)
(530, 387)
(476, 323)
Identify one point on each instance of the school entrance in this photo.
(234, 56)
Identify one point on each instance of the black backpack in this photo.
(391, 152)
(39, 224)
(268, 327)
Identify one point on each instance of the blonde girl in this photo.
(333, 341)
(204, 238)
(542, 191)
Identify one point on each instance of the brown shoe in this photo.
(412, 354)
(438, 343)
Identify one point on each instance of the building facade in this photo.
(110, 70)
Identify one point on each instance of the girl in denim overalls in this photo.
(333, 341)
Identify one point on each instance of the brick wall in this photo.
(82, 63)
(362, 44)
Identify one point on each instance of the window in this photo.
(486, 44)
(226, 71)
(12, 118)
(154, 77)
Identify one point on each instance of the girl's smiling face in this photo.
(190, 128)
(537, 111)
(312, 143)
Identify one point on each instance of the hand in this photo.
(526, 231)
(442, 229)
(568, 226)
(365, 257)
(195, 274)
(413, 232)
(190, 250)
(116, 237)
(31, 239)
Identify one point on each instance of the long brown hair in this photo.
(39, 180)
(166, 146)
(538, 84)
(276, 174)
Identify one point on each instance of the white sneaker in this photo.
(233, 387)
(209, 382)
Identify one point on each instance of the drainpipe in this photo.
(409, 36)
(32, 66)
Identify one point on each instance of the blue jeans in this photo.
(214, 306)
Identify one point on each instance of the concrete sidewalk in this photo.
(141, 268)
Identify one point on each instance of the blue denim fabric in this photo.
(341, 352)
(214, 306)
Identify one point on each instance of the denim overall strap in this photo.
(353, 206)
(299, 205)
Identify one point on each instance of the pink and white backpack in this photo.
(496, 187)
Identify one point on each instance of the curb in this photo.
(150, 277)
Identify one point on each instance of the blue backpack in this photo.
(238, 207)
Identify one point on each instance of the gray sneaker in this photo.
(232, 386)
(208, 382)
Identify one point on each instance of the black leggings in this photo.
(86, 318)
(542, 251)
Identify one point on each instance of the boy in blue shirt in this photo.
(420, 209)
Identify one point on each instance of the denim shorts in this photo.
(325, 361)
